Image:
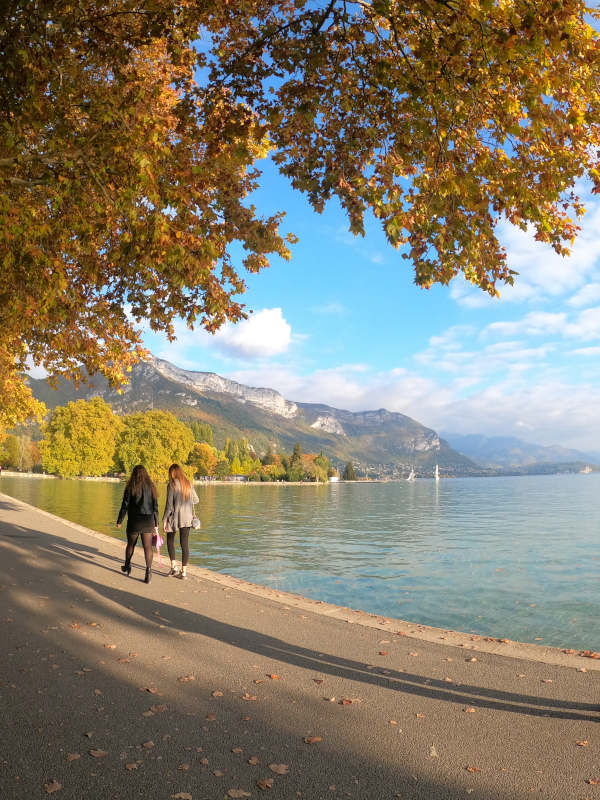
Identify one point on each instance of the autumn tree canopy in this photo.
(131, 130)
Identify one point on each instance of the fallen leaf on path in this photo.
(473, 769)
(413, 653)
(589, 654)
(52, 786)
(98, 692)
(98, 753)
(184, 767)
(279, 769)
(582, 669)
(148, 745)
(582, 743)
(186, 678)
(110, 646)
(469, 710)
(124, 660)
(383, 641)
(73, 756)
(211, 717)
(132, 765)
(393, 722)
(258, 680)
(181, 796)
(568, 651)
(312, 739)
(247, 696)
(236, 750)
(546, 680)
(265, 783)
(218, 773)
(318, 680)
(433, 753)
(238, 793)
(274, 677)
(448, 680)
(471, 659)
(246, 719)
(383, 652)
(420, 716)
(253, 761)
(593, 781)
(217, 693)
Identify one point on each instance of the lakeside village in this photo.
(86, 438)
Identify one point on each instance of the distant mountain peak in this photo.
(269, 399)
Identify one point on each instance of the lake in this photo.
(505, 557)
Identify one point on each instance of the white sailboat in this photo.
(411, 477)
(437, 472)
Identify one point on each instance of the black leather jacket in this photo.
(136, 507)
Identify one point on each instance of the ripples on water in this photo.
(507, 557)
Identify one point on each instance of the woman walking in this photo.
(179, 511)
(140, 503)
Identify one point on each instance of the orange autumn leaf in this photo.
(279, 769)
(52, 786)
(265, 783)
(312, 739)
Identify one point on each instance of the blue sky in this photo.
(344, 324)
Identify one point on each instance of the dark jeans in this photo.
(184, 541)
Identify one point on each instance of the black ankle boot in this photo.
(126, 568)
(148, 575)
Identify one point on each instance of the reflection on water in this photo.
(507, 557)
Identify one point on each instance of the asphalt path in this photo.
(212, 688)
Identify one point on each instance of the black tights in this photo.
(146, 542)
(184, 541)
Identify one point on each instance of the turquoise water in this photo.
(506, 557)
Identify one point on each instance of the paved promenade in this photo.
(212, 689)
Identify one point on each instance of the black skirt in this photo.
(140, 523)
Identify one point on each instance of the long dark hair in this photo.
(177, 474)
(140, 478)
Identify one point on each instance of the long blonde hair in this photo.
(177, 474)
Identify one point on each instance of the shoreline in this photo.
(557, 656)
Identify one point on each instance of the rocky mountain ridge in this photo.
(380, 443)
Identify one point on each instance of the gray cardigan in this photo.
(178, 512)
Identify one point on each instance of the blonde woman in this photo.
(179, 510)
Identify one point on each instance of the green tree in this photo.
(222, 469)
(202, 432)
(9, 451)
(128, 152)
(203, 458)
(269, 457)
(80, 439)
(155, 439)
(349, 473)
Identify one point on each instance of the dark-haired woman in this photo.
(179, 510)
(140, 503)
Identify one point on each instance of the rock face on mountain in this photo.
(203, 382)
(380, 443)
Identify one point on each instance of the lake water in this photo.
(506, 557)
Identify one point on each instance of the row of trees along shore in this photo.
(86, 438)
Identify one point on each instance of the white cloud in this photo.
(585, 296)
(537, 323)
(542, 272)
(329, 308)
(265, 333)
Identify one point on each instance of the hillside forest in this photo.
(86, 438)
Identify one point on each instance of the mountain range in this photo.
(380, 443)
